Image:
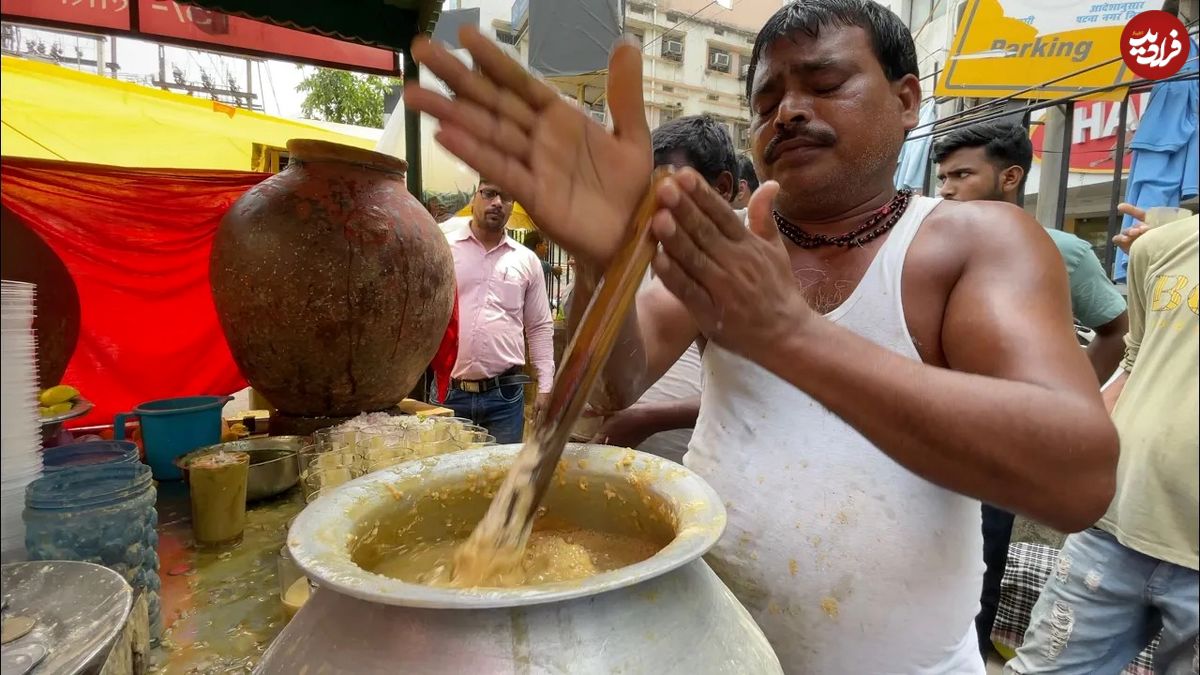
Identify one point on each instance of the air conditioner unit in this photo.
(744, 71)
(673, 49)
(719, 61)
(598, 115)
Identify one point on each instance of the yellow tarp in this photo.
(51, 112)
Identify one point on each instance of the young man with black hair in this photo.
(989, 161)
(661, 421)
(865, 382)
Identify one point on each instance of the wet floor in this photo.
(221, 609)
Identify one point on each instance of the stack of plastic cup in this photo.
(20, 431)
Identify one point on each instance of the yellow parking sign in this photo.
(1005, 46)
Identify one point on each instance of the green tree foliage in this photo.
(345, 97)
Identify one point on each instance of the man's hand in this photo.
(579, 182)
(736, 282)
(1125, 239)
(626, 428)
(539, 404)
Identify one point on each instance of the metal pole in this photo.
(100, 56)
(1025, 119)
(927, 179)
(1049, 181)
(1064, 176)
(412, 132)
(1114, 196)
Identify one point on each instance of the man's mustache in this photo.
(804, 135)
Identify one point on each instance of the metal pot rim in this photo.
(319, 539)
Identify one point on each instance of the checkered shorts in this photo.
(1029, 566)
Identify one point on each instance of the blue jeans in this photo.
(1103, 604)
(501, 410)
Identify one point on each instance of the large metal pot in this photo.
(667, 614)
(333, 284)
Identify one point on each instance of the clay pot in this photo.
(333, 284)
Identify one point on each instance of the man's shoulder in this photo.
(985, 224)
(1071, 246)
(1066, 241)
(958, 236)
(453, 226)
(1164, 239)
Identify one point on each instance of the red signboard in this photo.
(1094, 133)
(170, 19)
(181, 23)
(110, 14)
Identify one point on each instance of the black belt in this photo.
(509, 377)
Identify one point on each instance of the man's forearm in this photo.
(541, 354)
(1108, 347)
(659, 416)
(1105, 355)
(621, 382)
(1016, 445)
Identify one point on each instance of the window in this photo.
(667, 114)
(672, 49)
(717, 30)
(505, 37)
(719, 60)
(920, 12)
(741, 135)
(743, 66)
(668, 88)
(638, 36)
(714, 97)
(268, 158)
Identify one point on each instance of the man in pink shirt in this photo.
(502, 301)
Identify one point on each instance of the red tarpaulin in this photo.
(137, 243)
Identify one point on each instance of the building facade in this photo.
(696, 54)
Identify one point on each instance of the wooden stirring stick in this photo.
(584, 359)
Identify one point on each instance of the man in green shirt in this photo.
(989, 161)
(1118, 584)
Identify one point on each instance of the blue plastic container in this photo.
(173, 427)
(104, 514)
(89, 453)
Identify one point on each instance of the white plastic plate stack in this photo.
(20, 433)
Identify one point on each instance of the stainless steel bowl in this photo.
(274, 463)
(52, 425)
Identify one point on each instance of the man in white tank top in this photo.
(868, 379)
